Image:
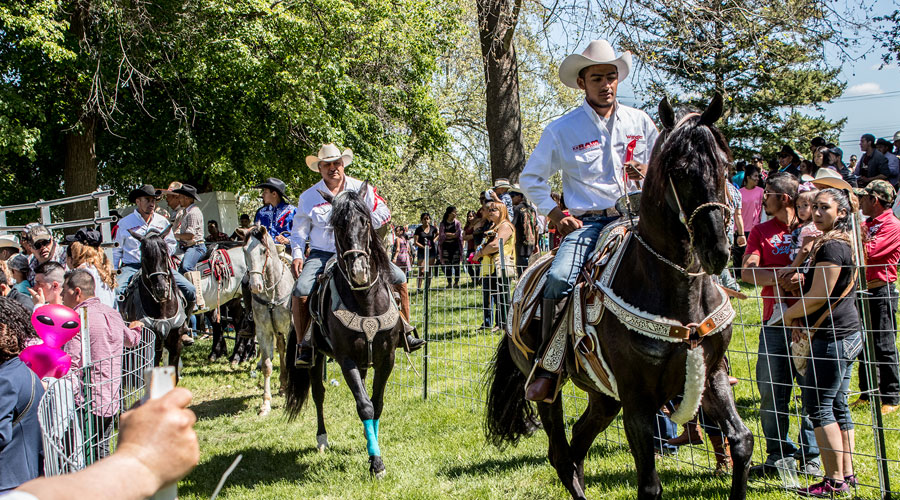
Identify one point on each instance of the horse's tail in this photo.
(298, 380)
(509, 415)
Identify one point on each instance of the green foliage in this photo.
(766, 58)
(889, 36)
(220, 93)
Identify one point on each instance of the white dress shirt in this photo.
(590, 151)
(129, 249)
(312, 222)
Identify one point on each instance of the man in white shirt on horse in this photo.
(600, 148)
(312, 226)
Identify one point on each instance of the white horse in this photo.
(271, 284)
(216, 293)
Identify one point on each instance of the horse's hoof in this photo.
(212, 358)
(264, 411)
(376, 467)
(322, 442)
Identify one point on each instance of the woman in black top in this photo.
(450, 240)
(425, 236)
(827, 311)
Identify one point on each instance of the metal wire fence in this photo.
(79, 413)
(462, 321)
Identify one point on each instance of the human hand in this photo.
(296, 267)
(798, 333)
(568, 224)
(741, 241)
(159, 435)
(37, 296)
(790, 282)
(635, 170)
(135, 325)
(282, 240)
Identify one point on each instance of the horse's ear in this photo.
(327, 196)
(666, 113)
(136, 235)
(166, 231)
(713, 111)
(364, 188)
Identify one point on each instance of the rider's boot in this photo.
(300, 311)
(543, 382)
(413, 342)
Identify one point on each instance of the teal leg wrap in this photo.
(377, 421)
(371, 428)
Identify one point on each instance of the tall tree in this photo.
(497, 20)
(217, 93)
(766, 57)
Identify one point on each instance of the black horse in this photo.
(155, 300)
(233, 311)
(682, 220)
(361, 279)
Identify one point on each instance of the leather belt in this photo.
(875, 283)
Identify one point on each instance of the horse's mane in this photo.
(690, 149)
(349, 206)
(258, 232)
(154, 248)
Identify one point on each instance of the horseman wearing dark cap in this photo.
(276, 214)
(127, 254)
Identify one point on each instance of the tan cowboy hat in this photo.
(826, 177)
(502, 182)
(9, 241)
(597, 52)
(329, 152)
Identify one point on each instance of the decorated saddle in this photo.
(591, 298)
(325, 297)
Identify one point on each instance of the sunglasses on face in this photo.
(41, 244)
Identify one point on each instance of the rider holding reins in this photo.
(601, 148)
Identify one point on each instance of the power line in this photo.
(869, 96)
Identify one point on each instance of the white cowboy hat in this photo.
(597, 52)
(826, 177)
(502, 182)
(9, 241)
(329, 152)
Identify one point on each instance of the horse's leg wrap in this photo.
(371, 429)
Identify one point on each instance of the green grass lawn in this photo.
(434, 447)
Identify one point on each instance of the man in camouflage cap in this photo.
(882, 231)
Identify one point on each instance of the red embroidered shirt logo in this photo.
(587, 145)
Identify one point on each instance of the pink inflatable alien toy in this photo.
(55, 325)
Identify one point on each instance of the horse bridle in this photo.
(144, 280)
(343, 264)
(266, 290)
(688, 222)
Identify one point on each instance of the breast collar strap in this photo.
(660, 327)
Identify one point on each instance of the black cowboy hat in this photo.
(787, 151)
(187, 190)
(145, 190)
(86, 236)
(884, 142)
(274, 184)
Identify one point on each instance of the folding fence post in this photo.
(425, 321)
(868, 358)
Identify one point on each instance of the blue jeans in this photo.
(774, 379)
(192, 256)
(126, 271)
(571, 255)
(827, 380)
(315, 264)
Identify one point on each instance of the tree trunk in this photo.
(497, 23)
(80, 169)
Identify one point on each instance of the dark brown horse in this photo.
(682, 221)
(155, 300)
(362, 281)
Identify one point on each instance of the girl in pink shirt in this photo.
(751, 198)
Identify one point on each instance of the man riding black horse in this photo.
(599, 148)
(312, 227)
